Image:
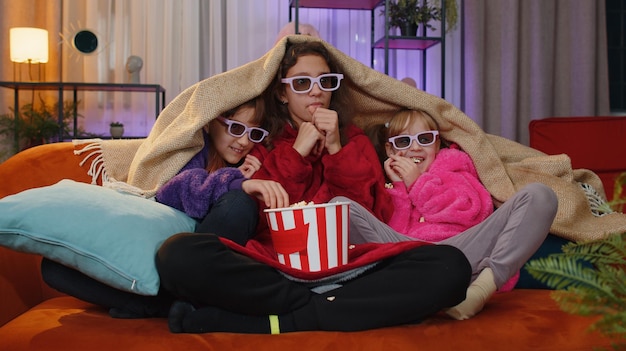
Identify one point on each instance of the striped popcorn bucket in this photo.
(311, 238)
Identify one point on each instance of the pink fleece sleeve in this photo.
(399, 220)
(449, 198)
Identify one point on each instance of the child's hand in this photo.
(327, 122)
(270, 192)
(309, 140)
(250, 165)
(402, 168)
(391, 174)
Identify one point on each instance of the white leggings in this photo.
(504, 241)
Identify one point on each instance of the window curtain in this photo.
(532, 59)
(182, 42)
(43, 14)
(172, 39)
(506, 63)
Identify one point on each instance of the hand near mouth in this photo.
(401, 168)
(327, 122)
(250, 165)
(309, 140)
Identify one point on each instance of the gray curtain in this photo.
(532, 59)
(520, 59)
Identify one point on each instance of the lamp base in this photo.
(18, 67)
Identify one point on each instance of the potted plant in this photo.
(590, 277)
(409, 14)
(37, 124)
(116, 129)
(590, 280)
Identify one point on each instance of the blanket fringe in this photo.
(125, 188)
(96, 168)
(599, 206)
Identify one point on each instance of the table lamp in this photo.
(28, 45)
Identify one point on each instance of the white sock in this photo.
(478, 293)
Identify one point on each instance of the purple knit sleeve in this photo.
(193, 191)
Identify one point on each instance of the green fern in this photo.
(590, 280)
(619, 197)
(610, 250)
(590, 277)
(561, 272)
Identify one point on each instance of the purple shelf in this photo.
(338, 4)
(404, 43)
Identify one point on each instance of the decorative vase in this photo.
(408, 30)
(116, 131)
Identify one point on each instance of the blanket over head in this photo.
(504, 166)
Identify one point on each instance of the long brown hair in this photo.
(277, 112)
(379, 134)
(215, 162)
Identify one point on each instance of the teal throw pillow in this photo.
(110, 236)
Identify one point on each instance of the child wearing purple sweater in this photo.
(214, 188)
(439, 198)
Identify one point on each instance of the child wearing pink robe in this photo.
(438, 198)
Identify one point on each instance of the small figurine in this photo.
(133, 66)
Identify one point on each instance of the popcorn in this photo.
(302, 204)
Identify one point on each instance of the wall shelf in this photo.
(61, 87)
(407, 43)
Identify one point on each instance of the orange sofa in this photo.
(35, 317)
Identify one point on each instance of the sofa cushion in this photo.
(518, 320)
(594, 143)
(108, 235)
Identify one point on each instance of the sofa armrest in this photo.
(41, 166)
(21, 286)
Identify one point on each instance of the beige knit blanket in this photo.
(504, 166)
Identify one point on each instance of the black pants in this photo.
(119, 303)
(234, 204)
(234, 216)
(400, 290)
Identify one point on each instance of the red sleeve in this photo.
(356, 172)
(259, 151)
(286, 166)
